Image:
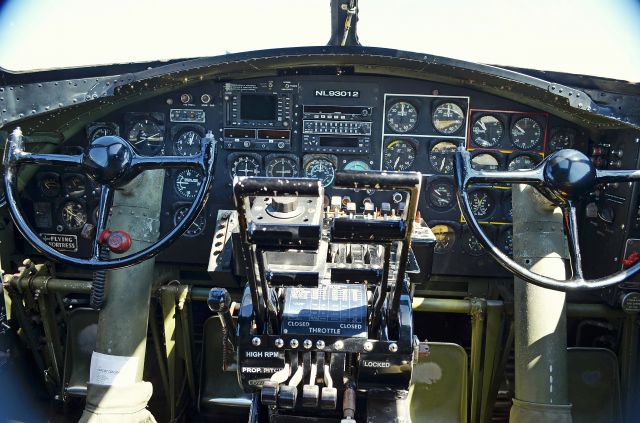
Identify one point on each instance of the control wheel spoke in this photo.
(571, 225)
(60, 160)
(142, 163)
(604, 176)
(104, 207)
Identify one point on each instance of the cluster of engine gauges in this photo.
(492, 161)
(507, 130)
(452, 237)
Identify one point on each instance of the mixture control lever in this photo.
(219, 301)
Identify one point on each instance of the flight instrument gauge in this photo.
(471, 245)
(487, 131)
(245, 166)
(399, 155)
(188, 143)
(402, 117)
(526, 133)
(282, 167)
(485, 161)
(196, 228)
(445, 238)
(49, 184)
(441, 194)
(482, 203)
(73, 215)
(357, 165)
(522, 162)
(441, 157)
(320, 168)
(188, 183)
(147, 137)
(75, 184)
(448, 118)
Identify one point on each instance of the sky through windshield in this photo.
(595, 37)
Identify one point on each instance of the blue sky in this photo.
(597, 37)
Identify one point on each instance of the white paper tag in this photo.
(112, 369)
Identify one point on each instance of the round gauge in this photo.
(448, 118)
(75, 184)
(441, 157)
(485, 161)
(188, 143)
(282, 167)
(402, 117)
(73, 215)
(487, 131)
(146, 137)
(562, 138)
(526, 133)
(522, 162)
(188, 183)
(445, 238)
(506, 241)
(245, 166)
(399, 155)
(471, 245)
(49, 184)
(482, 203)
(102, 131)
(196, 228)
(321, 169)
(357, 165)
(441, 194)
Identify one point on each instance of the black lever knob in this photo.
(219, 301)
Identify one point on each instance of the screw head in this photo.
(320, 344)
(256, 342)
(307, 344)
(368, 346)
(393, 347)
(338, 345)
(279, 343)
(294, 343)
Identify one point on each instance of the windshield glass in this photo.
(590, 37)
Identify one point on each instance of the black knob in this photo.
(219, 300)
(269, 393)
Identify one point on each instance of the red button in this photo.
(119, 242)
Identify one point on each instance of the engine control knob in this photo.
(310, 396)
(329, 398)
(118, 242)
(287, 396)
(269, 393)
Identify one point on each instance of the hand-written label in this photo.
(112, 369)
